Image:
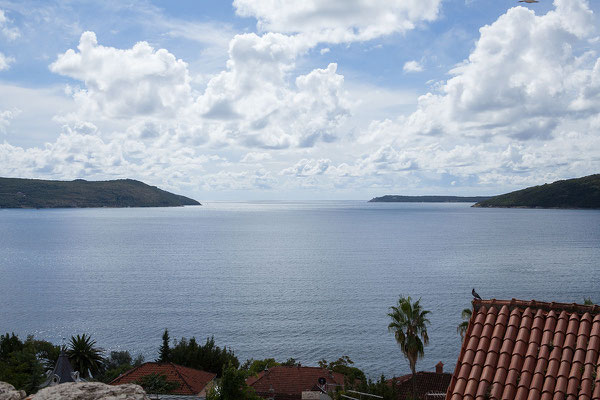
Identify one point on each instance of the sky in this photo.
(313, 99)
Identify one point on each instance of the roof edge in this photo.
(546, 306)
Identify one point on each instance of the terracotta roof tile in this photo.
(191, 381)
(283, 382)
(529, 350)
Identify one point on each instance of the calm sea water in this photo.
(284, 279)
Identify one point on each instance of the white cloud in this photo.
(336, 21)
(306, 167)
(525, 77)
(10, 32)
(5, 62)
(255, 103)
(6, 116)
(125, 83)
(255, 157)
(324, 50)
(412, 66)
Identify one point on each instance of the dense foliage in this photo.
(35, 193)
(117, 363)
(23, 364)
(253, 367)
(208, 357)
(572, 193)
(232, 386)
(157, 384)
(343, 365)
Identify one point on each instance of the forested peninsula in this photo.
(36, 193)
(571, 193)
(427, 199)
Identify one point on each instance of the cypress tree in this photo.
(165, 350)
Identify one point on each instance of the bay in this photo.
(308, 280)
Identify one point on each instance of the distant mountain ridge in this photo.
(427, 199)
(570, 193)
(37, 193)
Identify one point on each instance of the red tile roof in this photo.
(529, 350)
(191, 381)
(284, 382)
(425, 382)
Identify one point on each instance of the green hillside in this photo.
(571, 193)
(36, 193)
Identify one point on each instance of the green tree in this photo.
(117, 363)
(47, 353)
(344, 366)
(19, 364)
(290, 362)
(165, 350)
(232, 386)
(84, 355)
(409, 325)
(461, 329)
(157, 384)
(253, 367)
(588, 301)
(208, 357)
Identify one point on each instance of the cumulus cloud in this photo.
(412, 66)
(527, 75)
(9, 31)
(257, 104)
(125, 83)
(5, 62)
(6, 116)
(255, 157)
(308, 167)
(336, 21)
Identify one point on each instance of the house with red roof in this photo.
(427, 384)
(296, 382)
(191, 382)
(530, 350)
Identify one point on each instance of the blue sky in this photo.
(278, 99)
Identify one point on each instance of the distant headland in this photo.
(427, 199)
(36, 193)
(571, 193)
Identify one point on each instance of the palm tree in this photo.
(409, 324)
(461, 329)
(84, 356)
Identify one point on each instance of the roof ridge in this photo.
(175, 367)
(534, 304)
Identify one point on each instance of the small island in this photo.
(427, 199)
(37, 193)
(571, 193)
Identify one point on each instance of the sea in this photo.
(308, 280)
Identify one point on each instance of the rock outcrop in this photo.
(90, 391)
(8, 392)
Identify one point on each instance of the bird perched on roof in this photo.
(528, 1)
(474, 293)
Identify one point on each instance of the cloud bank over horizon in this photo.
(297, 109)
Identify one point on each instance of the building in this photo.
(192, 383)
(529, 350)
(428, 385)
(62, 372)
(295, 382)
